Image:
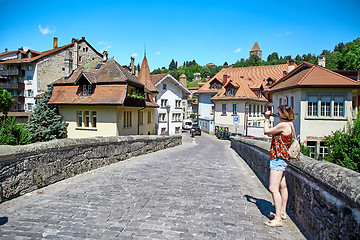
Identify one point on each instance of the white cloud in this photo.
(238, 50)
(284, 34)
(134, 55)
(46, 30)
(158, 53)
(102, 43)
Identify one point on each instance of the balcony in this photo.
(8, 85)
(134, 102)
(19, 99)
(12, 72)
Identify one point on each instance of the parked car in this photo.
(223, 135)
(187, 124)
(195, 130)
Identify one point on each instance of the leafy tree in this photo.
(274, 57)
(5, 102)
(225, 64)
(254, 60)
(172, 65)
(156, 71)
(344, 146)
(45, 123)
(12, 133)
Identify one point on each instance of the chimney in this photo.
(68, 64)
(182, 80)
(137, 73)
(291, 65)
(105, 56)
(321, 61)
(225, 78)
(5, 49)
(73, 40)
(55, 42)
(132, 65)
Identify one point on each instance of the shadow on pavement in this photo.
(3, 220)
(264, 206)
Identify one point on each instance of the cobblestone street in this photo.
(199, 190)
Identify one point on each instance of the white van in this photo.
(187, 124)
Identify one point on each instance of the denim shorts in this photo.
(278, 164)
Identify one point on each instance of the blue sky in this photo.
(207, 31)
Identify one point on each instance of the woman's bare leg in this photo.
(274, 187)
(284, 196)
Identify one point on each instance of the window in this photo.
(94, 119)
(262, 110)
(30, 67)
(258, 110)
(164, 86)
(141, 117)
(325, 106)
(230, 92)
(164, 102)
(250, 108)
(312, 106)
(339, 106)
(212, 109)
(30, 93)
(234, 108)
(176, 116)
(323, 150)
(162, 117)
(149, 116)
(280, 101)
(86, 90)
(312, 146)
(29, 77)
(79, 118)
(177, 129)
(80, 59)
(87, 119)
(292, 102)
(127, 119)
(178, 103)
(223, 111)
(163, 131)
(30, 106)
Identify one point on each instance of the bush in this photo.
(12, 133)
(344, 146)
(305, 150)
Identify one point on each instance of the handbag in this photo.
(294, 149)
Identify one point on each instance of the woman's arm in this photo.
(275, 130)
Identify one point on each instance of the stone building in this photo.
(256, 50)
(26, 74)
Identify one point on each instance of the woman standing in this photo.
(282, 135)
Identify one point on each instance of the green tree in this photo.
(45, 123)
(344, 146)
(12, 133)
(254, 60)
(274, 57)
(6, 101)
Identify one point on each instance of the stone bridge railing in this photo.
(324, 198)
(29, 167)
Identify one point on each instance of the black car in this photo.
(195, 130)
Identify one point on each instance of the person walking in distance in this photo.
(282, 135)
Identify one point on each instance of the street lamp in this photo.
(246, 117)
(168, 120)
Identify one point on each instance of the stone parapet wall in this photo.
(29, 167)
(324, 198)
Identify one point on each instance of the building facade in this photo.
(323, 101)
(28, 73)
(172, 99)
(103, 99)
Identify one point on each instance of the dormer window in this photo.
(215, 86)
(29, 55)
(230, 92)
(86, 90)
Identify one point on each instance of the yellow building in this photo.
(104, 99)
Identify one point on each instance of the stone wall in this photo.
(324, 198)
(29, 167)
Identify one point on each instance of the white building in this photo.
(323, 101)
(172, 98)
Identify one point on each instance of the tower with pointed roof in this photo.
(256, 50)
(145, 76)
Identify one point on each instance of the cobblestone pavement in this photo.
(200, 190)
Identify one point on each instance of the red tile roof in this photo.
(255, 47)
(155, 78)
(8, 52)
(253, 76)
(110, 83)
(310, 75)
(145, 76)
(46, 53)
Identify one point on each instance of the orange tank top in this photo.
(277, 149)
